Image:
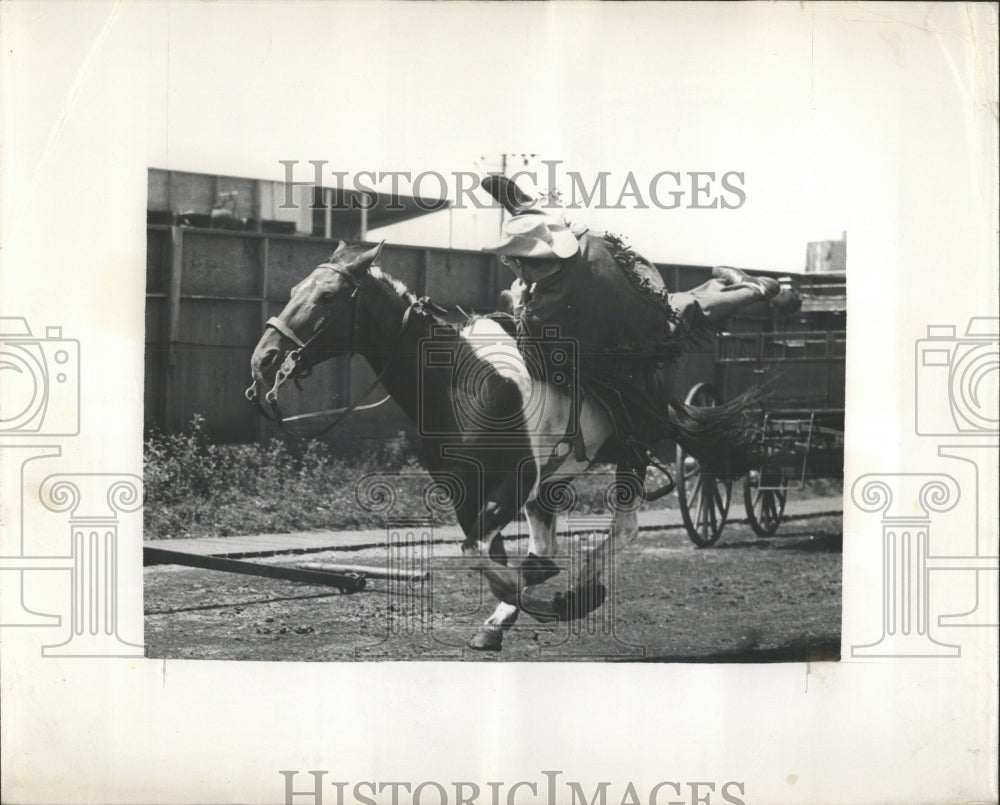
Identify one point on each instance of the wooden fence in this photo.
(210, 292)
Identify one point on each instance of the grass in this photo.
(195, 488)
(198, 489)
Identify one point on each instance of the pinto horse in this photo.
(510, 455)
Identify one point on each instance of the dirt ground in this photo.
(744, 600)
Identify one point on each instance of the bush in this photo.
(195, 488)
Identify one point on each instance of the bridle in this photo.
(294, 368)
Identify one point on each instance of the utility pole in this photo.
(503, 172)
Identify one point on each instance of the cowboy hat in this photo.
(511, 197)
(533, 236)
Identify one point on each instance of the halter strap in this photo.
(415, 305)
(340, 414)
(285, 330)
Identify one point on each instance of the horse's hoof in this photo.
(579, 602)
(487, 640)
(538, 608)
(537, 570)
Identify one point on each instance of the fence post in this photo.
(422, 275)
(169, 365)
(492, 290)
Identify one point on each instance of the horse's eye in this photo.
(326, 296)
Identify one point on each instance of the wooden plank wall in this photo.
(210, 292)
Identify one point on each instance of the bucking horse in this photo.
(493, 428)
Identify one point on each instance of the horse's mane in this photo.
(398, 287)
(393, 285)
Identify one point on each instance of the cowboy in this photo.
(612, 304)
(545, 256)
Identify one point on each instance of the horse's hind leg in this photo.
(538, 565)
(587, 592)
(534, 570)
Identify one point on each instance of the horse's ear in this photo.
(368, 259)
(340, 247)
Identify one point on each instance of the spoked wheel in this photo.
(764, 495)
(703, 497)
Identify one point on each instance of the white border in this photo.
(91, 97)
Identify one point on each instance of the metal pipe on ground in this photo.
(346, 581)
(370, 572)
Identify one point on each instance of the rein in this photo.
(291, 366)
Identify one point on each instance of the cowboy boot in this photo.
(736, 278)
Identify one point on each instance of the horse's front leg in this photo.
(533, 570)
(490, 634)
(483, 546)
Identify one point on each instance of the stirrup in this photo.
(668, 487)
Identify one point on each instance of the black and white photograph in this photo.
(543, 396)
(458, 402)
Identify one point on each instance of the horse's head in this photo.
(319, 322)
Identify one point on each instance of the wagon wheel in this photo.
(764, 506)
(703, 497)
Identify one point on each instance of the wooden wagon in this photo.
(803, 374)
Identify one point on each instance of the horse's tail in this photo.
(727, 438)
